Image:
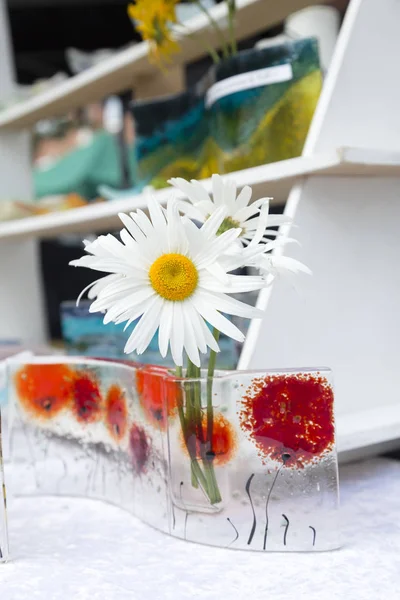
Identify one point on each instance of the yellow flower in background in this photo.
(153, 20)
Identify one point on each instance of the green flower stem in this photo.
(197, 404)
(200, 476)
(210, 378)
(232, 29)
(217, 28)
(196, 428)
(191, 419)
(182, 419)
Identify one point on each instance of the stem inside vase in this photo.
(198, 430)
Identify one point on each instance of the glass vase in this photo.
(244, 460)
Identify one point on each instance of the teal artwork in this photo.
(85, 334)
(171, 138)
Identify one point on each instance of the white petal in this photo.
(177, 335)
(214, 222)
(132, 227)
(230, 306)
(201, 193)
(210, 339)
(194, 193)
(177, 239)
(217, 247)
(276, 220)
(144, 326)
(143, 222)
(262, 225)
(197, 240)
(218, 190)
(230, 196)
(132, 314)
(87, 288)
(236, 284)
(217, 320)
(102, 283)
(190, 339)
(165, 327)
(218, 272)
(128, 302)
(248, 211)
(148, 334)
(156, 214)
(206, 207)
(195, 319)
(244, 198)
(193, 212)
(280, 264)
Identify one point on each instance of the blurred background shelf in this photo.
(131, 67)
(275, 180)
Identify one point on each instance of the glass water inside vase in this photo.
(246, 460)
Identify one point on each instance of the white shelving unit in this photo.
(343, 193)
(275, 180)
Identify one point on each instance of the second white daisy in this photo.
(239, 211)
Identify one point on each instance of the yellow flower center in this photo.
(174, 277)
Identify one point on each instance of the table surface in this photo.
(80, 549)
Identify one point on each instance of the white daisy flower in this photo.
(239, 213)
(166, 272)
(255, 246)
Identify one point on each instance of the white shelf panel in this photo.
(121, 71)
(274, 180)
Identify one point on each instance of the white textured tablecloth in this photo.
(74, 549)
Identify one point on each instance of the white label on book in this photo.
(248, 81)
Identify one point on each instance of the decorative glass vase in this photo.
(262, 103)
(245, 460)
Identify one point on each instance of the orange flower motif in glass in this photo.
(44, 390)
(116, 412)
(223, 440)
(157, 394)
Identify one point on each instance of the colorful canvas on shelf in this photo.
(258, 110)
(262, 104)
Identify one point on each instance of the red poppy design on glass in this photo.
(116, 412)
(87, 403)
(289, 418)
(140, 446)
(44, 390)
